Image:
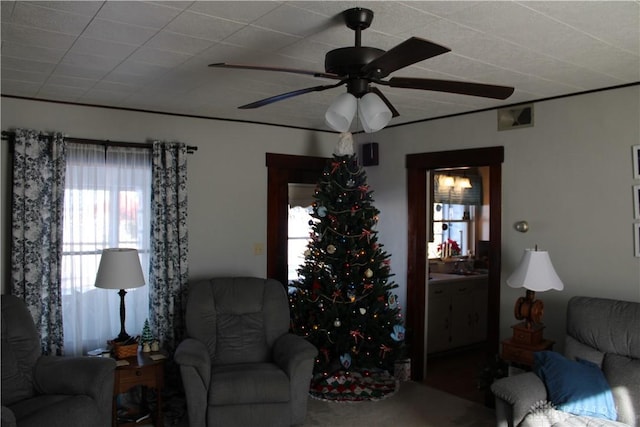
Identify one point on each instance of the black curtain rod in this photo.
(107, 143)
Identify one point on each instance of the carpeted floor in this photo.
(414, 405)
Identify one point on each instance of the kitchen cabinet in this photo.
(457, 311)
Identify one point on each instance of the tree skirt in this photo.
(354, 386)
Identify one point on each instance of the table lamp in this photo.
(120, 269)
(535, 273)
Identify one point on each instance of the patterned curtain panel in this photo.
(169, 244)
(36, 252)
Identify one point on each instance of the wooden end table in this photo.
(525, 341)
(522, 354)
(140, 370)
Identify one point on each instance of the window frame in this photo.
(283, 169)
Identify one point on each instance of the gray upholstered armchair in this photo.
(48, 390)
(605, 333)
(239, 364)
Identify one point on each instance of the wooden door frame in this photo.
(282, 170)
(417, 167)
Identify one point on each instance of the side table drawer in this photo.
(132, 377)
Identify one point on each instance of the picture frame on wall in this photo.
(636, 239)
(636, 161)
(636, 201)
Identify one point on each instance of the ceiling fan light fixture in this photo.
(373, 112)
(341, 112)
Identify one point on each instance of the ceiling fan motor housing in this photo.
(348, 61)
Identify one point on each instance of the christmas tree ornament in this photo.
(398, 333)
(331, 249)
(393, 301)
(345, 360)
(363, 311)
(322, 211)
(337, 323)
(368, 273)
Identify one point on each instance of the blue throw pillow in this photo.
(578, 387)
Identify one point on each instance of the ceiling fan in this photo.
(359, 66)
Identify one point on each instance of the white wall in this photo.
(227, 175)
(569, 176)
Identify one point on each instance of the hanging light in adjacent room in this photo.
(464, 182)
(447, 181)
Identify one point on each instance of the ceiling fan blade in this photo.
(394, 112)
(406, 53)
(288, 95)
(463, 88)
(277, 69)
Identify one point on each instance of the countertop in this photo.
(446, 277)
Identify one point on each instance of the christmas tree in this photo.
(342, 302)
(147, 337)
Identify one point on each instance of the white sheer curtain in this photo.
(106, 205)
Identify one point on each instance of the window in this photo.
(299, 229)
(456, 193)
(107, 204)
(299, 226)
(455, 222)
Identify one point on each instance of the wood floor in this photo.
(457, 373)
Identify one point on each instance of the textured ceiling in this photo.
(154, 55)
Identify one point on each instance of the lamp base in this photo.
(529, 309)
(529, 334)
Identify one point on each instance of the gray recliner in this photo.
(240, 366)
(602, 331)
(49, 390)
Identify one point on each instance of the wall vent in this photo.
(515, 117)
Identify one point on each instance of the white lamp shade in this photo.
(535, 272)
(119, 269)
(373, 113)
(341, 112)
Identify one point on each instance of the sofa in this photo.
(602, 340)
(49, 391)
(240, 366)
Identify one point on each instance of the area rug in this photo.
(353, 386)
(413, 405)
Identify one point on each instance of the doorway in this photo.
(419, 167)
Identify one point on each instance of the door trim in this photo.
(283, 169)
(417, 167)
